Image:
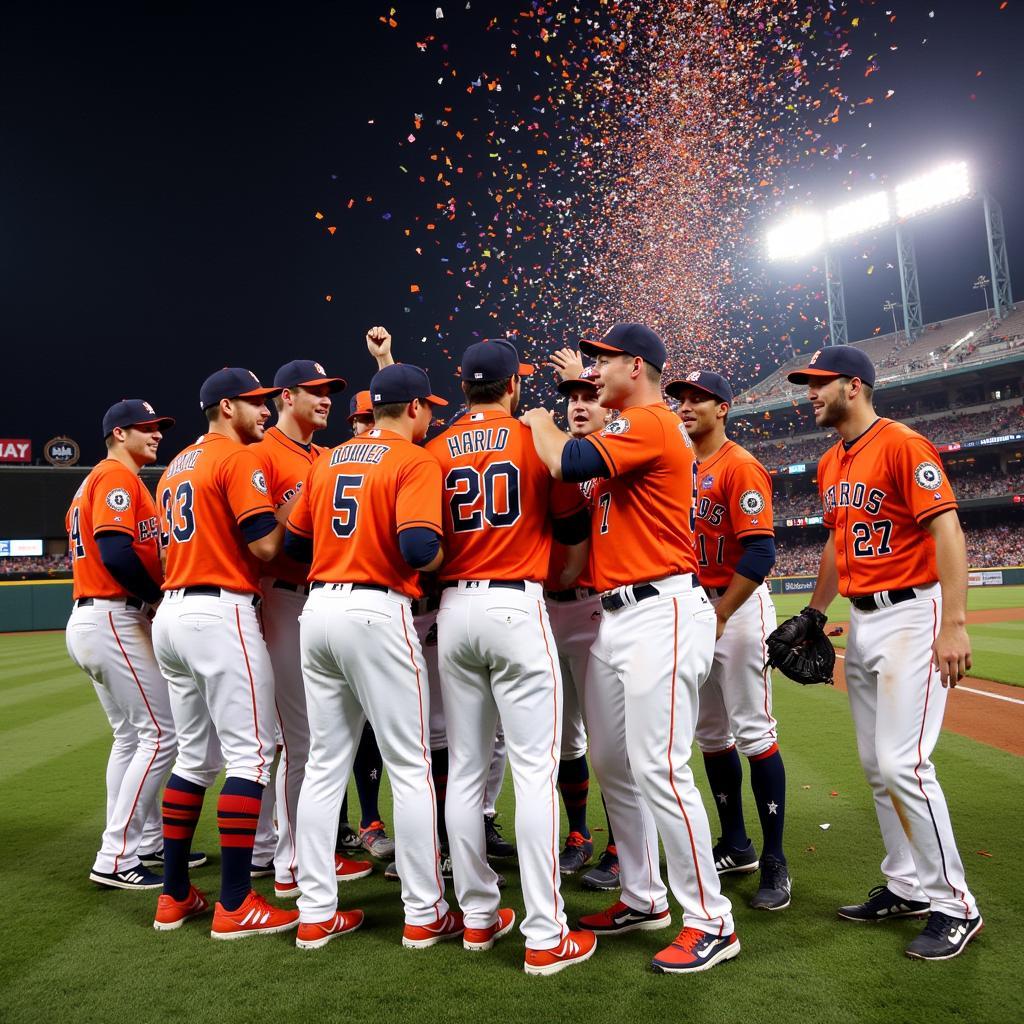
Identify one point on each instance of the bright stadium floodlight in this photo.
(799, 235)
(945, 184)
(858, 216)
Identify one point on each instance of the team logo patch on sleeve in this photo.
(259, 481)
(119, 500)
(928, 476)
(751, 502)
(619, 426)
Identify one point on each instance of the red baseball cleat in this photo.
(172, 913)
(480, 939)
(619, 919)
(573, 949)
(419, 936)
(318, 934)
(694, 950)
(254, 917)
(349, 870)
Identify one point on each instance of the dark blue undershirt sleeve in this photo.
(757, 559)
(298, 548)
(120, 559)
(258, 526)
(582, 461)
(572, 529)
(419, 545)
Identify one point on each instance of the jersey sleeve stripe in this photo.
(298, 530)
(757, 531)
(426, 523)
(604, 453)
(928, 513)
(113, 528)
(255, 510)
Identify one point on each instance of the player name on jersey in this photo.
(469, 442)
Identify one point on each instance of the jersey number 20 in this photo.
(466, 485)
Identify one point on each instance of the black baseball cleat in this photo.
(135, 879)
(776, 885)
(730, 861)
(604, 877)
(498, 846)
(883, 905)
(577, 853)
(944, 937)
(196, 859)
(262, 870)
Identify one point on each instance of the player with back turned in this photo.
(220, 528)
(735, 552)
(654, 648)
(896, 549)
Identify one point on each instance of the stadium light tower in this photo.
(806, 232)
(983, 282)
(890, 307)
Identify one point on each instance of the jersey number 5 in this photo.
(179, 516)
(344, 525)
(466, 484)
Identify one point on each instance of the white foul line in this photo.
(970, 689)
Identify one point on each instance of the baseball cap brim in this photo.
(434, 400)
(804, 376)
(567, 386)
(673, 387)
(161, 423)
(336, 383)
(596, 348)
(259, 393)
(359, 412)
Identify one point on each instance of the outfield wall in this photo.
(46, 604)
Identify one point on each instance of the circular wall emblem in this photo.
(928, 476)
(259, 481)
(61, 451)
(751, 502)
(119, 500)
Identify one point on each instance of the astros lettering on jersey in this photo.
(876, 495)
(217, 483)
(112, 499)
(643, 525)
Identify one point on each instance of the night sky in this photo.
(160, 174)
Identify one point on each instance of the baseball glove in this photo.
(800, 650)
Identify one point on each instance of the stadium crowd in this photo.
(36, 567)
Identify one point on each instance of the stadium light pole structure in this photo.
(806, 232)
(983, 282)
(890, 307)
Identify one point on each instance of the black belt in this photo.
(292, 587)
(426, 605)
(211, 592)
(870, 603)
(319, 584)
(130, 602)
(504, 584)
(641, 591)
(572, 594)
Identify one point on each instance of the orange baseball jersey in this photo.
(206, 492)
(112, 499)
(643, 523)
(876, 495)
(357, 499)
(558, 559)
(734, 500)
(285, 466)
(499, 500)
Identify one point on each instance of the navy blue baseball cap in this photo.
(493, 359)
(836, 361)
(305, 373)
(703, 380)
(402, 382)
(133, 412)
(587, 379)
(629, 340)
(232, 382)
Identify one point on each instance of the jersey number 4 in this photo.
(499, 485)
(178, 512)
(77, 547)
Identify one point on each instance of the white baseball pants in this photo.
(646, 666)
(361, 658)
(112, 645)
(736, 697)
(497, 656)
(575, 625)
(898, 702)
(221, 685)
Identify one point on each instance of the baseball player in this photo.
(360, 413)
(574, 607)
(368, 519)
(221, 528)
(895, 548)
(114, 540)
(735, 552)
(285, 454)
(496, 653)
(654, 648)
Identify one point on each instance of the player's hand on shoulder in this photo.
(378, 343)
(567, 363)
(535, 416)
(952, 651)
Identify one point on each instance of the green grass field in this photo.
(997, 646)
(74, 953)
